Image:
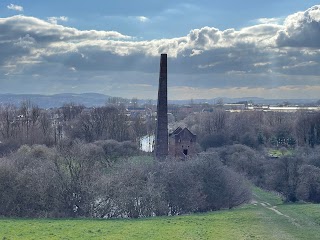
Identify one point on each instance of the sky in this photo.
(268, 49)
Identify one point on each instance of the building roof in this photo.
(180, 130)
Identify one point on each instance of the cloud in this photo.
(269, 20)
(15, 7)
(265, 56)
(143, 19)
(301, 29)
(42, 31)
(54, 20)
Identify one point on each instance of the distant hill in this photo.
(97, 99)
(56, 100)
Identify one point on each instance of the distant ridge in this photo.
(97, 99)
(56, 100)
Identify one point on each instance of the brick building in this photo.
(182, 143)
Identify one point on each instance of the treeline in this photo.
(255, 128)
(77, 179)
(296, 175)
(77, 162)
(28, 124)
(101, 180)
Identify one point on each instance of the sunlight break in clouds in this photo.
(15, 7)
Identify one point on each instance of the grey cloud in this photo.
(204, 37)
(32, 38)
(302, 29)
(105, 61)
(263, 55)
(86, 50)
(42, 31)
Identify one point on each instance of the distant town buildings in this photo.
(240, 107)
(279, 108)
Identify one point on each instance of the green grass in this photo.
(265, 196)
(253, 221)
(280, 152)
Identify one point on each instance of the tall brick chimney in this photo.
(161, 148)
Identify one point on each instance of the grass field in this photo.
(280, 152)
(266, 218)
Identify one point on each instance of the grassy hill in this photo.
(265, 218)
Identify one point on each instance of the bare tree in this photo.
(71, 111)
(77, 167)
(309, 183)
(7, 117)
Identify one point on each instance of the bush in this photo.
(214, 140)
(140, 189)
(243, 160)
(70, 181)
(309, 183)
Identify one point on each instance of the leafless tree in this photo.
(309, 183)
(8, 114)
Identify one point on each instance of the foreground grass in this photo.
(255, 221)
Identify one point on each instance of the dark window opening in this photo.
(185, 152)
